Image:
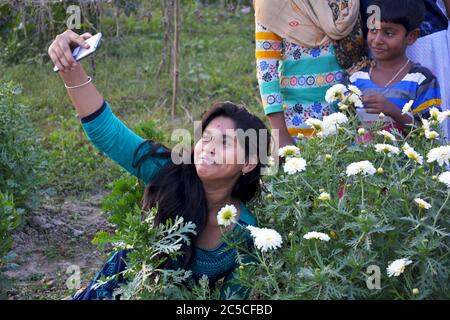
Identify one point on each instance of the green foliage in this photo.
(75, 165)
(10, 218)
(375, 222)
(21, 162)
(150, 130)
(126, 194)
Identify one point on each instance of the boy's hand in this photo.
(60, 50)
(376, 104)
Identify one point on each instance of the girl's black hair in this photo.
(177, 190)
(408, 13)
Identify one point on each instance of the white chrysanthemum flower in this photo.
(253, 230)
(406, 146)
(387, 135)
(445, 178)
(440, 154)
(381, 115)
(355, 90)
(335, 93)
(407, 107)
(328, 130)
(413, 155)
(362, 167)
(271, 161)
(343, 106)
(294, 165)
(336, 118)
(227, 215)
(422, 203)
(361, 131)
(324, 196)
(315, 123)
(397, 267)
(265, 239)
(425, 124)
(289, 151)
(354, 100)
(317, 235)
(387, 149)
(431, 134)
(434, 113)
(330, 124)
(443, 116)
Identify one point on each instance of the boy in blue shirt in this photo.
(394, 80)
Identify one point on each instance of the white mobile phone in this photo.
(80, 53)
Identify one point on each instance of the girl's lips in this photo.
(206, 161)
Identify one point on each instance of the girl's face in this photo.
(218, 155)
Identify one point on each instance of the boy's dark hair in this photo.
(408, 13)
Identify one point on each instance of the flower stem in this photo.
(362, 193)
(442, 208)
(275, 283)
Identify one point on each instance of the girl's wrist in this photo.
(74, 77)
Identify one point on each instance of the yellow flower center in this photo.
(227, 215)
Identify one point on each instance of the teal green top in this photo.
(119, 143)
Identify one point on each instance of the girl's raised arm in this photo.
(85, 97)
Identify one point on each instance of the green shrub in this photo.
(134, 230)
(149, 130)
(366, 221)
(21, 156)
(10, 218)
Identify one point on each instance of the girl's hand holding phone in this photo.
(60, 51)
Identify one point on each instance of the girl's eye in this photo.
(206, 138)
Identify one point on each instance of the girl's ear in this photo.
(412, 36)
(250, 165)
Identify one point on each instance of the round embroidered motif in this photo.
(339, 76)
(320, 80)
(293, 81)
(279, 99)
(330, 78)
(301, 81)
(276, 46)
(266, 45)
(284, 82)
(270, 99)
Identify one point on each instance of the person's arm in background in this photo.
(268, 54)
(447, 7)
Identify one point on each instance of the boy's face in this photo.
(390, 41)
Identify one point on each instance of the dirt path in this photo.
(52, 246)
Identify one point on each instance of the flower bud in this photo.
(380, 170)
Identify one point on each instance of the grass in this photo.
(217, 64)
